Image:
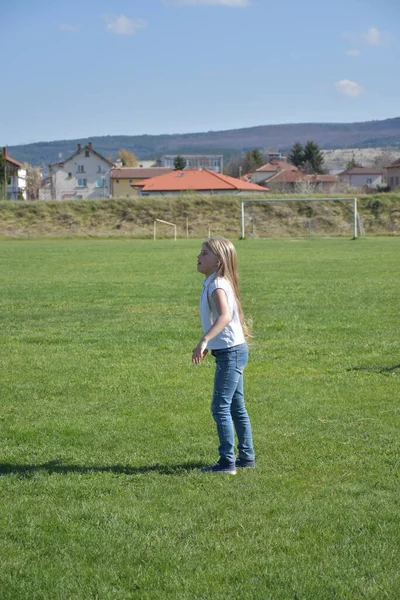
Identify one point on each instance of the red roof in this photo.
(196, 179)
(138, 172)
(287, 176)
(275, 165)
(394, 165)
(11, 160)
(362, 171)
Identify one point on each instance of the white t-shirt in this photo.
(232, 334)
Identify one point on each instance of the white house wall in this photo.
(17, 185)
(364, 180)
(65, 177)
(256, 177)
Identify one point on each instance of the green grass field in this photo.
(105, 424)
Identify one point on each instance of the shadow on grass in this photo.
(56, 466)
(375, 369)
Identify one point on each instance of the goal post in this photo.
(165, 223)
(353, 200)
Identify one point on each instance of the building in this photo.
(15, 176)
(122, 178)
(270, 169)
(85, 174)
(323, 183)
(282, 176)
(362, 177)
(272, 153)
(195, 180)
(211, 162)
(393, 175)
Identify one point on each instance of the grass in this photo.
(105, 424)
(134, 217)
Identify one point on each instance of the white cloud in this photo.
(349, 88)
(229, 3)
(353, 52)
(69, 27)
(370, 37)
(123, 25)
(373, 37)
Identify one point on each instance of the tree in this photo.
(127, 158)
(352, 163)
(296, 155)
(253, 159)
(385, 158)
(33, 181)
(179, 163)
(309, 158)
(234, 167)
(313, 158)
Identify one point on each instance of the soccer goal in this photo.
(356, 220)
(165, 223)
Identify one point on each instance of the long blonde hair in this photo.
(225, 252)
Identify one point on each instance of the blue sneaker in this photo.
(221, 467)
(245, 463)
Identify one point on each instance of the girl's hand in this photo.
(199, 353)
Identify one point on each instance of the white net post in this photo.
(165, 223)
(354, 200)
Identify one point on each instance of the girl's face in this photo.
(207, 262)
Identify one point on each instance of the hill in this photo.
(385, 133)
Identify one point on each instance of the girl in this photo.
(224, 334)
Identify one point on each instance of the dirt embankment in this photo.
(196, 216)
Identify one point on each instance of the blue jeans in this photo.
(228, 407)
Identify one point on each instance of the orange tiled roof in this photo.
(9, 159)
(276, 165)
(196, 179)
(138, 172)
(287, 176)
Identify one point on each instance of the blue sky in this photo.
(85, 68)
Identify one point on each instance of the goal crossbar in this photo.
(354, 200)
(165, 223)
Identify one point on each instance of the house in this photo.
(295, 180)
(286, 180)
(211, 162)
(122, 178)
(85, 174)
(15, 176)
(271, 168)
(393, 174)
(363, 177)
(323, 183)
(196, 180)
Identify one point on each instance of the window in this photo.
(100, 169)
(101, 182)
(391, 181)
(87, 153)
(397, 180)
(130, 181)
(69, 175)
(82, 182)
(117, 181)
(80, 168)
(369, 181)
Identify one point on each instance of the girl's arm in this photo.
(224, 317)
